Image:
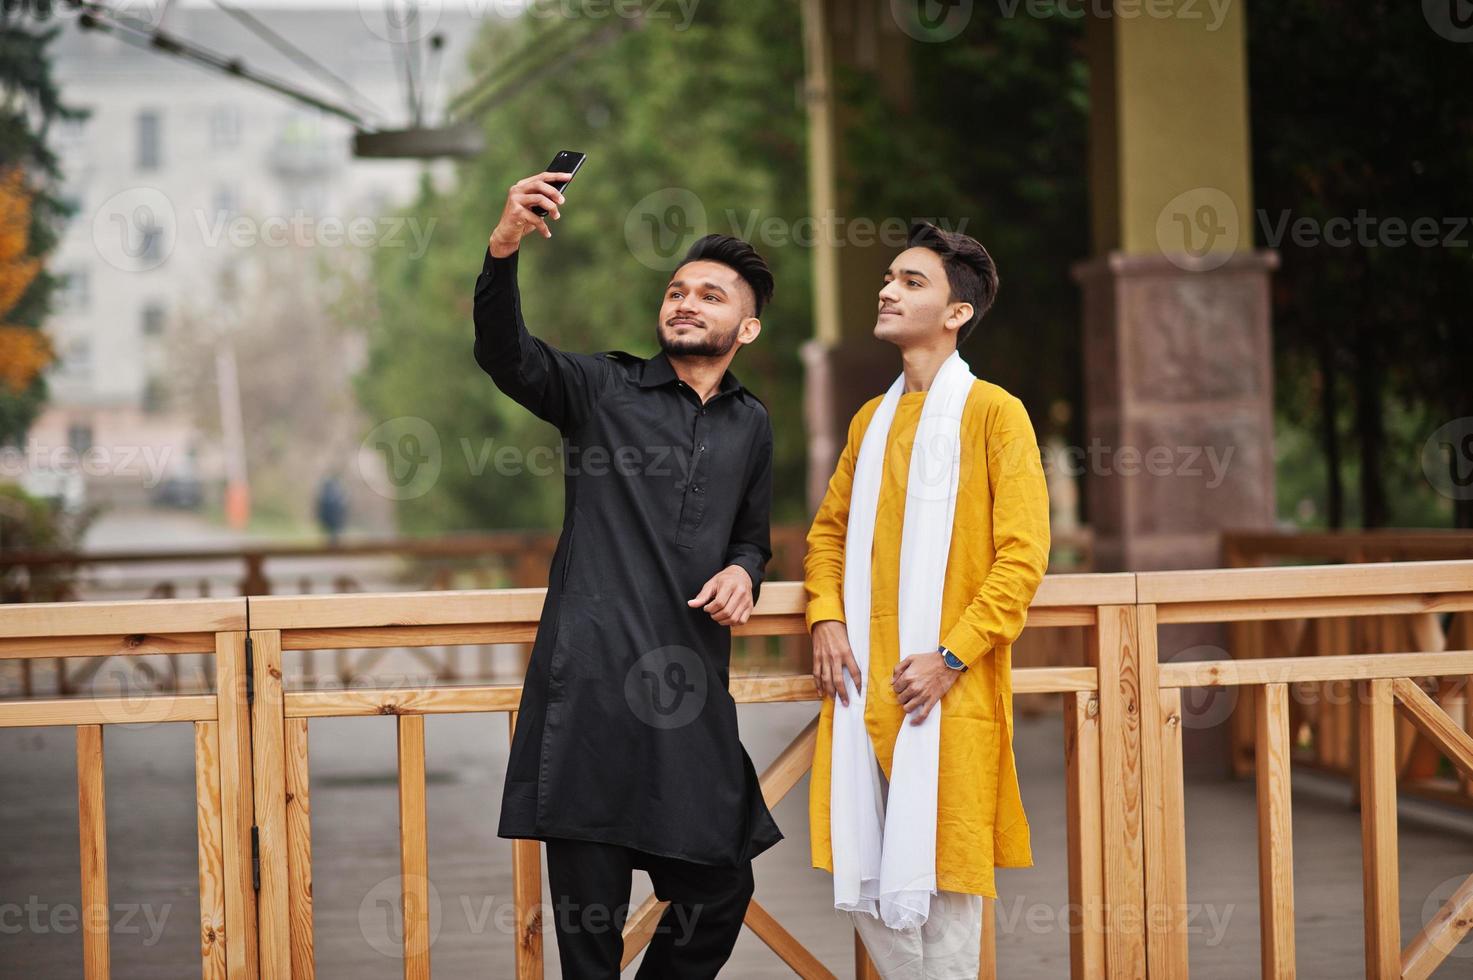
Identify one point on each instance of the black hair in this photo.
(971, 274)
(741, 258)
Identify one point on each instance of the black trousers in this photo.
(590, 885)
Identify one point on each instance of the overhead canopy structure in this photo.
(418, 52)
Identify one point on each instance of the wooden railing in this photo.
(1125, 793)
(501, 559)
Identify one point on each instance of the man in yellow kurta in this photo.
(933, 295)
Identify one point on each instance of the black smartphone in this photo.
(566, 162)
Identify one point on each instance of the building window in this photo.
(79, 437)
(155, 395)
(78, 356)
(225, 127)
(225, 203)
(152, 320)
(150, 139)
(77, 291)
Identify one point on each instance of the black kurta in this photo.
(626, 732)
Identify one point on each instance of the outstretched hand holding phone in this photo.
(531, 200)
(517, 217)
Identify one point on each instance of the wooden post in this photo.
(92, 829)
(1114, 651)
(268, 733)
(526, 875)
(299, 850)
(1378, 830)
(237, 805)
(1082, 820)
(414, 862)
(211, 849)
(1164, 811)
(1275, 834)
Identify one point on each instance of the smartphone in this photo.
(566, 162)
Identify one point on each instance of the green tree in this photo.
(1372, 344)
(32, 212)
(711, 111)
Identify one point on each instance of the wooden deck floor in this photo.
(154, 894)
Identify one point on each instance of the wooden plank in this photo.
(39, 712)
(639, 928)
(472, 634)
(745, 689)
(1303, 582)
(1440, 935)
(526, 878)
(1433, 722)
(1288, 670)
(1085, 834)
(237, 806)
(1381, 885)
(299, 850)
(1233, 610)
(784, 944)
(25, 648)
(211, 849)
(273, 911)
(402, 701)
(1275, 834)
(1164, 839)
(144, 617)
(414, 860)
(92, 830)
(987, 955)
(1114, 651)
(779, 600)
(791, 764)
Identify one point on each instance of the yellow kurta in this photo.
(999, 550)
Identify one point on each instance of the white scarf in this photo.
(885, 862)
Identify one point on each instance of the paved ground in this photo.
(151, 859)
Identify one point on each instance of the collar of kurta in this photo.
(658, 371)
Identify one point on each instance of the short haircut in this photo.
(971, 274)
(741, 258)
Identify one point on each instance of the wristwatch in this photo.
(951, 659)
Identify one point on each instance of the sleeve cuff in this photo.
(753, 567)
(493, 265)
(965, 644)
(825, 607)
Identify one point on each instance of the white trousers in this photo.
(947, 947)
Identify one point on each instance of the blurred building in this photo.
(172, 156)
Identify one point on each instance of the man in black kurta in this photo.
(626, 753)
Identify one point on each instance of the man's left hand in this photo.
(727, 596)
(920, 681)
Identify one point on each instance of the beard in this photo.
(707, 344)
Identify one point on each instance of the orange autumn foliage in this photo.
(24, 351)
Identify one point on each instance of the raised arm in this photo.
(1020, 538)
(554, 385)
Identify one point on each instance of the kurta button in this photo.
(703, 447)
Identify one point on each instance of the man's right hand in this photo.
(518, 218)
(832, 656)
